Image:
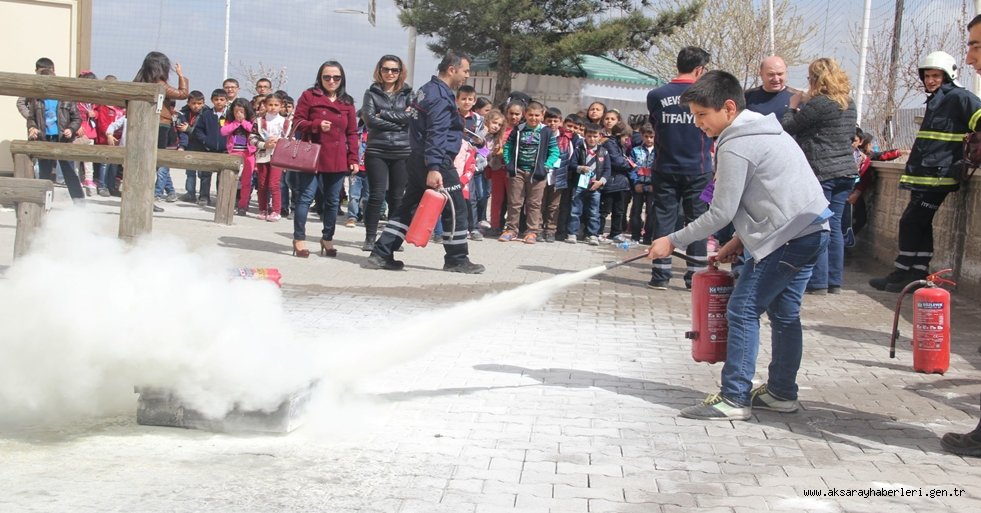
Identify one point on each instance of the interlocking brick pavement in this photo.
(571, 407)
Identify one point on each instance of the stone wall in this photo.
(956, 229)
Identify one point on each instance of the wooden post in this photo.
(23, 166)
(31, 198)
(225, 209)
(136, 210)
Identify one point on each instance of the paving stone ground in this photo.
(571, 407)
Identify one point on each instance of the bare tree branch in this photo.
(251, 74)
(734, 32)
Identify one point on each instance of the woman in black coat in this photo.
(385, 115)
(823, 122)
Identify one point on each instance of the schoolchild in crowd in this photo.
(530, 150)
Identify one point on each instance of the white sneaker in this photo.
(593, 240)
(571, 239)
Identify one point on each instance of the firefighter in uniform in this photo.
(435, 134)
(934, 162)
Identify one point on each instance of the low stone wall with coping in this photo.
(956, 228)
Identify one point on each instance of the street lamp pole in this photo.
(411, 30)
(228, 17)
(412, 55)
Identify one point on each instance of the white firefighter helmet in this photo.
(942, 61)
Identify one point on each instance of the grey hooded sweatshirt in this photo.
(763, 185)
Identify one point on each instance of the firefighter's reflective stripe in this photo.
(940, 136)
(930, 181)
(973, 122)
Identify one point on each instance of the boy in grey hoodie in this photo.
(766, 188)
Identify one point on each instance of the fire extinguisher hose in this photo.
(895, 319)
(676, 253)
(449, 199)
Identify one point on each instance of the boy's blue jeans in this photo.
(164, 184)
(592, 200)
(830, 266)
(190, 183)
(477, 203)
(774, 285)
(357, 196)
(105, 175)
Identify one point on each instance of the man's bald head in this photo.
(773, 72)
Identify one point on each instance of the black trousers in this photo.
(670, 191)
(614, 204)
(46, 169)
(642, 216)
(916, 230)
(386, 181)
(454, 237)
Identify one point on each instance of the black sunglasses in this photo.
(331, 78)
(391, 70)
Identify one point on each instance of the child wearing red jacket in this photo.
(105, 174)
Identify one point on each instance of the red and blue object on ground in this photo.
(259, 273)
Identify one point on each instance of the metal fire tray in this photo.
(162, 407)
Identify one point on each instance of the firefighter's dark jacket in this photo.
(436, 128)
(951, 113)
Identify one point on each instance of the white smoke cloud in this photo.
(88, 317)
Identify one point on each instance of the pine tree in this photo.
(535, 36)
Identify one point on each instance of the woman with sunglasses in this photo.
(386, 117)
(325, 114)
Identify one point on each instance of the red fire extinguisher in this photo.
(710, 291)
(427, 213)
(931, 324)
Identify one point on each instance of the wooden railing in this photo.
(140, 157)
(227, 165)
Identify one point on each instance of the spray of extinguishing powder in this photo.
(432, 328)
(83, 326)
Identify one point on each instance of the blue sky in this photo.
(298, 34)
(301, 34)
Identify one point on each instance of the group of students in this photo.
(250, 129)
(67, 121)
(551, 178)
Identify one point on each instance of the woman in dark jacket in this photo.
(823, 122)
(617, 190)
(325, 114)
(385, 115)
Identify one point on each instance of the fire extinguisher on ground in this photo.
(931, 324)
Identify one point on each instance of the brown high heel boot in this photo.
(299, 251)
(326, 250)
